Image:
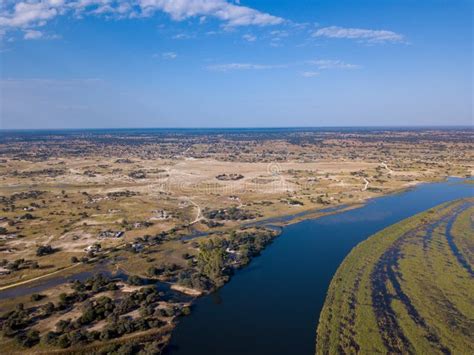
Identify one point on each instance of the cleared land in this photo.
(407, 289)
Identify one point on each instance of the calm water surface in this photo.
(272, 306)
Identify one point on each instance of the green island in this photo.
(407, 289)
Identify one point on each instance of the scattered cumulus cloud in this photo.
(279, 33)
(182, 36)
(31, 14)
(360, 34)
(332, 64)
(232, 14)
(276, 37)
(35, 34)
(32, 34)
(310, 74)
(23, 14)
(249, 38)
(308, 66)
(169, 55)
(243, 66)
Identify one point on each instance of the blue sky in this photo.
(247, 63)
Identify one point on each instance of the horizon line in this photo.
(234, 128)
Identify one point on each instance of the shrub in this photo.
(44, 250)
(29, 339)
(36, 297)
(135, 280)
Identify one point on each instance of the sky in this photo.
(247, 63)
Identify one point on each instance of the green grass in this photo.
(426, 288)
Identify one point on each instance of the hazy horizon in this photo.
(470, 126)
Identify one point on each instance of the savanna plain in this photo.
(107, 236)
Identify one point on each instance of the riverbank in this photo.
(406, 289)
(305, 255)
(288, 221)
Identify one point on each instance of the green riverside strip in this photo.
(407, 289)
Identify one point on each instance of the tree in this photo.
(152, 348)
(29, 339)
(50, 338)
(36, 297)
(44, 250)
(64, 341)
(48, 308)
(210, 260)
(135, 280)
(186, 311)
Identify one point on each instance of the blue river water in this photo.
(272, 306)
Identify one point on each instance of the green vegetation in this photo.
(210, 260)
(231, 213)
(44, 250)
(175, 211)
(104, 311)
(219, 257)
(89, 317)
(407, 289)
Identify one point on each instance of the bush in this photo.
(44, 250)
(186, 311)
(64, 341)
(135, 280)
(36, 297)
(29, 339)
(50, 338)
(48, 308)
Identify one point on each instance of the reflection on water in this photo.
(50, 282)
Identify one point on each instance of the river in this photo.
(272, 306)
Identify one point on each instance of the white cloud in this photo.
(231, 14)
(243, 66)
(33, 34)
(169, 55)
(370, 36)
(309, 74)
(29, 14)
(332, 64)
(249, 38)
(276, 37)
(182, 36)
(279, 33)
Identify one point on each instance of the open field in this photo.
(407, 289)
(176, 208)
